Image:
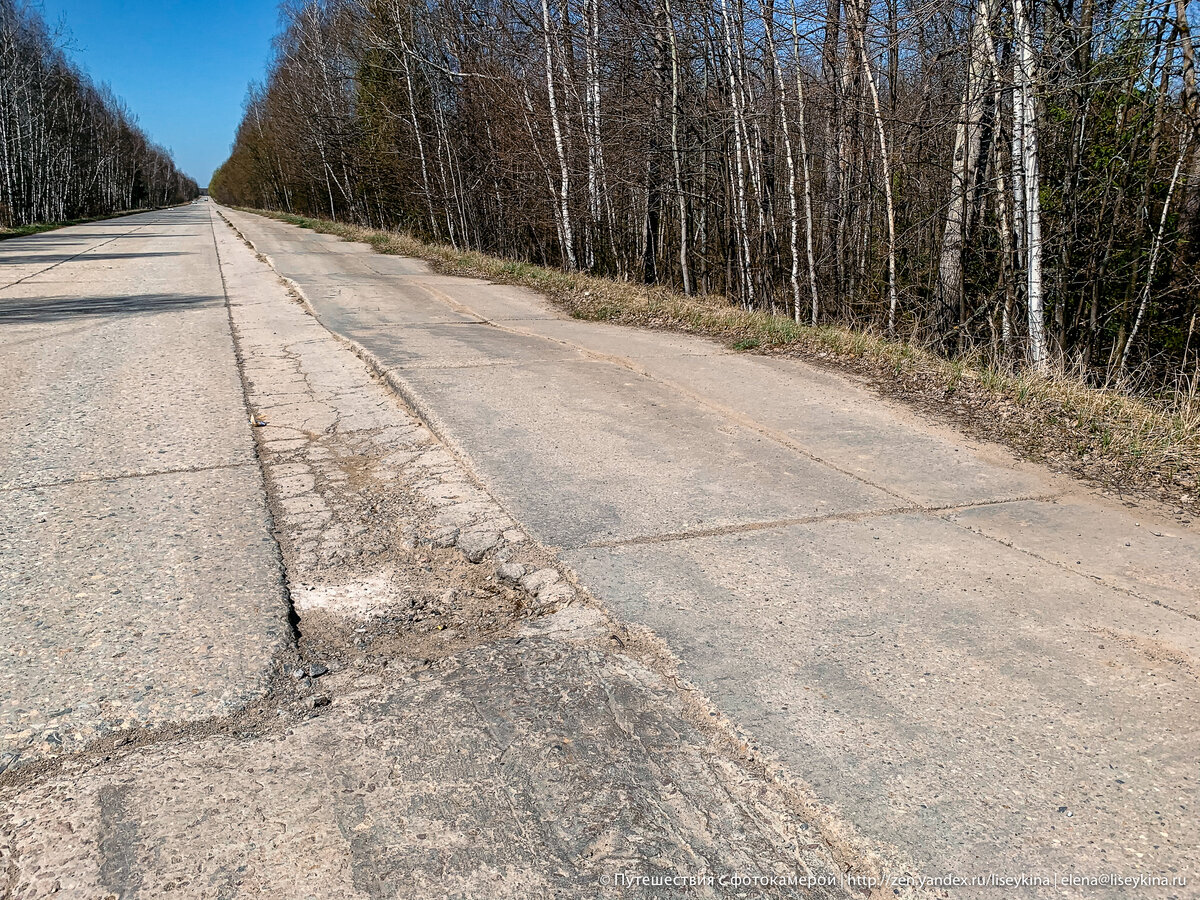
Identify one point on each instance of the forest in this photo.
(1017, 180)
(69, 149)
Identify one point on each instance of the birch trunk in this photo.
(568, 237)
(1027, 112)
(964, 175)
(735, 93)
(1155, 251)
(860, 34)
(676, 157)
(802, 127)
(793, 204)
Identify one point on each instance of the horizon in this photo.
(186, 95)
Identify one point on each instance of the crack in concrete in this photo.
(1064, 567)
(121, 476)
(746, 527)
(293, 619)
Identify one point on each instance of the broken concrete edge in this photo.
(251, 716)
(568, 621)
(248, 411)
(474, 545)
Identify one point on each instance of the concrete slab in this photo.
(1116, 546)
(139, 584)
(476, 778)
(855, 430)
(119, 392)
(951, 696)
(467, 343)
(133, 602)
(564, 443)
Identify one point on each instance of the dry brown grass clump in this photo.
(1124, 443)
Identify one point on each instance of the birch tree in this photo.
(888, 152)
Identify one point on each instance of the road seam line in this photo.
(122, 476)
(62, 262)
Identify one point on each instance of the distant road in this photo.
(975, 660)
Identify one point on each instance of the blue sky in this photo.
(182, 66)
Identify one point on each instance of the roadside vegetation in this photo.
(69, 150)
(1126, 444)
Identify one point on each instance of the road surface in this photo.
(128, 477)
(975, 660)
(311, 656)
(589, 600)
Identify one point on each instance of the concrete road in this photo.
(453, 720)
(972, 659)
(139, 585)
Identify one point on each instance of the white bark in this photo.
(591, 125)
(564, 194)
(676, 157)
(1026, 112)
(1155, 251)
(793, 203)
(802, 127)
(739, 135)
(964, 167)
(860, 30)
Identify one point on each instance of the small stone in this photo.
(553, 594)
(476, 544)
(445, 537)
(298, 673)
(535, 581)
(317, 701)
(316, 670)
(512, 572)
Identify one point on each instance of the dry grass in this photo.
(1123, 443)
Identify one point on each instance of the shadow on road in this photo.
(66, 254)
(75, 237)
(61, 308)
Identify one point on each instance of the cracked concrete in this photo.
(138, 584)
(970, 657)
(457, 719)
(841, 639)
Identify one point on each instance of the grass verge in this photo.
(1124, 444)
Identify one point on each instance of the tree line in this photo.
(69, 149)
(1018, 178)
